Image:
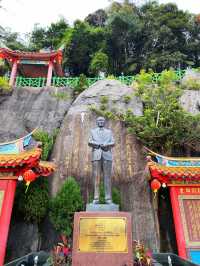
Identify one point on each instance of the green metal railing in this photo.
(30, 82)
(74, 81)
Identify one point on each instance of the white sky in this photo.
(21, 15)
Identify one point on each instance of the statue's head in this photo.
(101, 121)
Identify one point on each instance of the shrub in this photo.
(167, 77)
(144, 78)
(47, 142)
(33, 205)
(82, 84)
(63, 206)
(127, 99)
(104, 99)
(4, 84)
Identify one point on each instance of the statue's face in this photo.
(100, 122)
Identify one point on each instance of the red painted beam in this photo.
(9, 187)
(181, 244)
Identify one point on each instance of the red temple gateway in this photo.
(33, 64)
(182, 176)
(18, 161)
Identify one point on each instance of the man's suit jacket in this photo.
(100, 136)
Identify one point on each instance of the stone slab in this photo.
(102, 238)
(91, 207)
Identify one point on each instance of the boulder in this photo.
(73, 156)
(190, 101)
(27, 108)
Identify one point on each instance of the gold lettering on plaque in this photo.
(103, 235)
(1, 200)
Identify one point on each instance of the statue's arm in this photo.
(93, 143)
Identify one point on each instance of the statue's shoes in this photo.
(95, 201)
(109, 201)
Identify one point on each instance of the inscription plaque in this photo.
(103, 235)
(1, 199)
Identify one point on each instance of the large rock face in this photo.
(72, 154)
(28, 108)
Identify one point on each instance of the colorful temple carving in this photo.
(19, 160)
(33, 64)
(182, 176)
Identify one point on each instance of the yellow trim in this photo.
(173, 168)
(22, 155)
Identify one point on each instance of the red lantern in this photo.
(155, 185)
(29, 176)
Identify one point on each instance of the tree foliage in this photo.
(164, 126)
(63, 206)
(48, 38)
(134, 37)
(99, 63)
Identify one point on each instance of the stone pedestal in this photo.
(91, 207)
(102, 238)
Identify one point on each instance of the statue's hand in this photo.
(96, 146)
(104, 147)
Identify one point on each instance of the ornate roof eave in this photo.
(17, 55)
(169, 174)
(22, 158)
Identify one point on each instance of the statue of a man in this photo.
(101, 140)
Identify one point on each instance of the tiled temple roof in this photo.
(25, 157)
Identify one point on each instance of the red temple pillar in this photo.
(181, 245)
(13, 73)
(49, 75)
(7, 189)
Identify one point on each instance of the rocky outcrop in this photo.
(190, 101)
(23, 239)
(72, 154)
(28, 108)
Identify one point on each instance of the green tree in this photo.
(48, 38)
(80, 43)
(63, 206)
(99, 63)
(97, 19)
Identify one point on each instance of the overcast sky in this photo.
(21, 15)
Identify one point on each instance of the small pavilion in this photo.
(182, 177)
(19, 160)
(33, 64)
